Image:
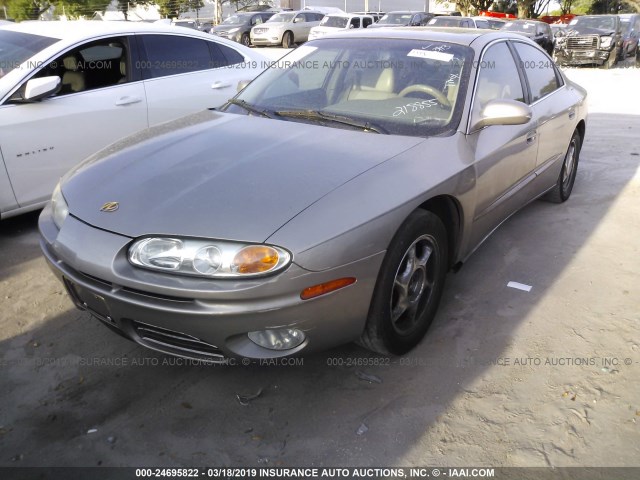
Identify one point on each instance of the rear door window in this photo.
(172, 55)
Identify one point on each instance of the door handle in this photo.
(220, 85)
(531, 137)
(127, 101)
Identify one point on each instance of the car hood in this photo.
(274, 25)
(220, 175)
(524, 34)
(588, 31)
(386, 25)
(324, 30)
(228, 26)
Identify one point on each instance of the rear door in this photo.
(101, 101)
(183, 74)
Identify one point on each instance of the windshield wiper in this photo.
(323, 116)
(250, 108)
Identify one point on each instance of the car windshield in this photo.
(444, 22)
(495, 24)
(282, 17)
(520, 27)
(395, 19)
(602, 22)
(336, 22)
(393, 86)
(235, 20)
(16, 47)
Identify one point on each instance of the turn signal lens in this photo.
(327, 287)
(255, 259)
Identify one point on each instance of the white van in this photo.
(338, 22)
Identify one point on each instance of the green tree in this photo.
(27, 9)
(124, 5)
(81, 8)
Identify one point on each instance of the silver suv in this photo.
(286, 28)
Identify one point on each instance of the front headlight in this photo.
(207, 258)
(606, 42)
(59, 207)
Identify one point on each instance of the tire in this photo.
(611, 60)
(287, 40)
(564, 185)
(245, 40)
(407, 292)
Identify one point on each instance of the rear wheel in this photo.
(564, 186)
(409, 286)
(287, 40)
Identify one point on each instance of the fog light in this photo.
(280, 339)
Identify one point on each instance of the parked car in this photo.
(238, 26)
(286, 28)
(322, 205)
(186, 23)
(590, 39)
(403, 18)
(68, 89)
(450, 21)
(630, 34)
(539, 32)
(489, 22)
(338, 22)
(376, 15)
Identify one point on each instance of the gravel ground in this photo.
(504, 377)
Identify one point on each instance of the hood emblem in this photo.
(110, 207)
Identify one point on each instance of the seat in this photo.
(73, 79)
(123, 69)
(383, 88)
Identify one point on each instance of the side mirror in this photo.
(39, 88)
(503, 112)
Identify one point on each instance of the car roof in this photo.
(525, 20)
(80, 29)
(405, 11)
(461, 36)
(452, 17)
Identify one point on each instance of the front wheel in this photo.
(611, 60)
(564, 186)
(409, 286)
(245, 40)
(287, 40)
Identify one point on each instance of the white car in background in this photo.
(337, 22)
(68, 89)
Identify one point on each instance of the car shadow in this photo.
(18, 242)
(74, 394)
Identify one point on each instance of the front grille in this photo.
(582, 42)
(176, 343)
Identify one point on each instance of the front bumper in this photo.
(266, 39)
(234, 37)
(581, 57)
(202, 319)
